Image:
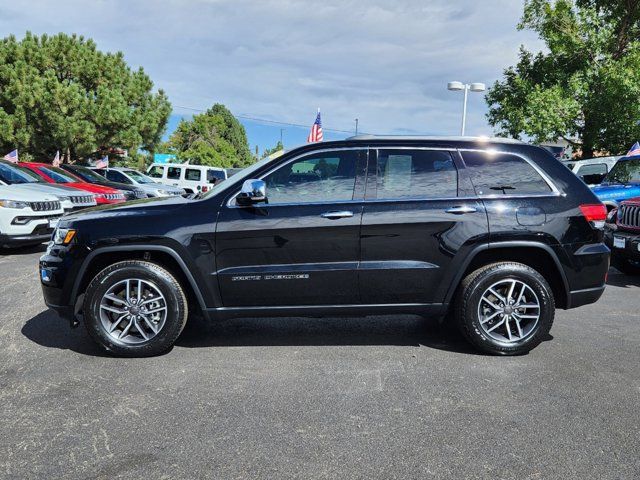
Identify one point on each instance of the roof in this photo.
(451, 138)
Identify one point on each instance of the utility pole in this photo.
(356, 126)
(281, 142)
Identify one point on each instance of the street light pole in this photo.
(356, 127)
(465, 87)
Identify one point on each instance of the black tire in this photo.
(469, 297)
(626, 265)
(163, 280)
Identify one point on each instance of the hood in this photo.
(59, 191)
(616, 191)
(128, 209)
(91, 187)
(152, 187)
(20, 194)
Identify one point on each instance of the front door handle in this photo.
(336, 215)
(460, 210)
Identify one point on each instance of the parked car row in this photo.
(34, 195)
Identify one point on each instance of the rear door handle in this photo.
(460, 210)
(336, 215)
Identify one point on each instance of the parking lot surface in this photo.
(379, 397)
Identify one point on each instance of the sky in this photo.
(386, 63)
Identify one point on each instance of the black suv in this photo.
(490, 233)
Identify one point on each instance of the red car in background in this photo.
(51, 174)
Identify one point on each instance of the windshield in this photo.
(225, 184)
(625, 171)
(59, 175)
(87, 174)
(139, 177)
(13, 174)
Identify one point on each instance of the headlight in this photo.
(13, 204)
(98, 195)
(162, 192)
(63, 236)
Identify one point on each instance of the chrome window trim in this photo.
(545, 177)
(297, 157)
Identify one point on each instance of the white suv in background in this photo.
(193, 178)
(27, 218)
(24, 180)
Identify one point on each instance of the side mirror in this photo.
(253, 191)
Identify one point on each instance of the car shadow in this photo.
(618, 279)
(40, 248)
(400, 330)
(48, 330)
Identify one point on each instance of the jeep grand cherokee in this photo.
(489, 233)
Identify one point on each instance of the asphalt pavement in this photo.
(336, 398)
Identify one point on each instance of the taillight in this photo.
(595, 214)
(205, 188)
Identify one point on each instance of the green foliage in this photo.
(213, 138)
(271, 151)
(585, 88)
(61, 93)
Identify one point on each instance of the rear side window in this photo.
(498, 173)
(156, 171)
(192, 174)
(416, 174)
(173, 173)
(593, 169)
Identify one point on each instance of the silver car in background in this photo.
(130, 176)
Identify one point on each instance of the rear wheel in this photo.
(505, 308)
(135, 308)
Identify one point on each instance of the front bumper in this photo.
(27, 234)
(631, 248)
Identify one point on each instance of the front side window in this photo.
(321, 177)
(192, 174)
(498, 173)
(156, 171)
(416, 174)
(173, 173)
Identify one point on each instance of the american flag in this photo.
(12, 156)
(316, 130)
(104, 163)
(635, 150)
(56, 160)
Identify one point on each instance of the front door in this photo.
(418, 216)
(302, 247)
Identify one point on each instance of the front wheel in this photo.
(135, 308)
(505, 308)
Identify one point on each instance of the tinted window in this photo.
(214, 175)
(625, 171)
(156, 171)
(323, 177)
(192, 174)
(13, 174)
(595, 169)
(116, 176)
(58, 175)
(173, 173)
(416, 174)
(86, 174)
(496, 173)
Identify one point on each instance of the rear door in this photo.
(420, 213)
(302, 247)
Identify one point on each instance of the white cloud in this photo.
(385, 62)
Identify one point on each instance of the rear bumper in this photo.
(578, 298)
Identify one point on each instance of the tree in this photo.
(62, 93)
(271, 151)
(214, 138)
(586, 88)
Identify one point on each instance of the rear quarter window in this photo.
(500, 173)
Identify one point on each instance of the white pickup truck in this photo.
(27, 218)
